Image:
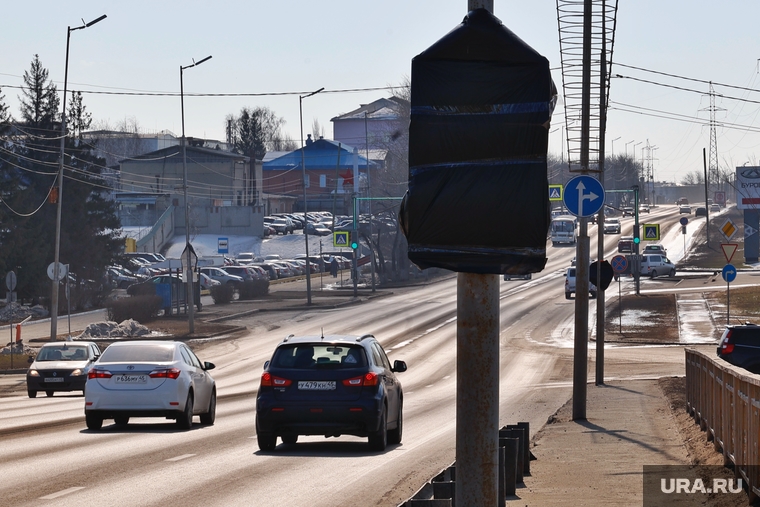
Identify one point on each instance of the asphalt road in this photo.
(50, 457)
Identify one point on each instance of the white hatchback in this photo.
(149, 379)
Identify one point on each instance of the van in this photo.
(562, 230)
(656, 265)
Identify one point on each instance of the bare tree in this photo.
(317, 130)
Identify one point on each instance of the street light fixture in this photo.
(188, 267)
(305, 218)
(626, 147)
(612, 155)
(56, 264)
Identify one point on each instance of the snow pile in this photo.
(127, 329)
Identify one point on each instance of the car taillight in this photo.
(171, 373)
(94, 373)
(269, 380)
(368, 379)
(727, 346)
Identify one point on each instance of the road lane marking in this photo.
(53, 496)
(178, 458)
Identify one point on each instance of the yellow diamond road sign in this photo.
(340, 239)
(728, 229)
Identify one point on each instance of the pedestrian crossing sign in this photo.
(555, 192)
(651, 232)
(340, 239)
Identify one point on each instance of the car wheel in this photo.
(49, 393)
(32, 394)
(290, 438)
(121, 420)
(378, 440)
(210, 416)
(93, 422)
(394, 435)
(185, 421)
(267, 441)
(672, 273)
(567, 295)
(653, 274)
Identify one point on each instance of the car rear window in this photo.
(319, 356)
(138, 353)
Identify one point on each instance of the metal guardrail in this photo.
(725, 401)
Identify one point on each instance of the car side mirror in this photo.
(399, 366)
(208, 366)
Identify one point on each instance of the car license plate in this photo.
(54, 379)
(131, 379)
(314, 385)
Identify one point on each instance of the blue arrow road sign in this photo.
(584, 196)
(729, 273)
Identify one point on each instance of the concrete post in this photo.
(477, 389)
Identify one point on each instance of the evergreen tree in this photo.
(28, 184)
(255, 132)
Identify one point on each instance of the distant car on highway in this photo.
(61, 367)
(700, 211)
(644, 208)
(625, 244)
(715, 208)
(612, 226)
(684, 208)
(628, 211)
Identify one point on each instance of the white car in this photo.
(612, 226)
(149, 379)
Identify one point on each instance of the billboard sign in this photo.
(748, 187)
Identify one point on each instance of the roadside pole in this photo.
(477, 433)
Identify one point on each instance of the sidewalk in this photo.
(599, 461)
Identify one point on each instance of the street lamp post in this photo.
(612, 152)
(305, 218)
(189, 293)
(57, 257)
(626, 146)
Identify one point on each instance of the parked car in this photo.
(61, 367)
(612, 226)
(120, 277)
(317, 229)
(221, 275)
(740, 346)
(570, 284)
(245, 257)
(283, 226)
(654, 265)
(700, 211)
(330, 385)
(271, 270)
(149, 379)
(684, 208)
(207, 282)
(625, 244)
(241, 271)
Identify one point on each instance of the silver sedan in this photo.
(149, 379)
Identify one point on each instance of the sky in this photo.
(268, 54)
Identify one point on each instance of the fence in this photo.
(725, 402)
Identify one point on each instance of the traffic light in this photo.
(354, 240)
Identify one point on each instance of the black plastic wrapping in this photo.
(478, 192)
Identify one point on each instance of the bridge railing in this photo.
(725, 401)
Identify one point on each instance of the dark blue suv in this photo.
(331, 386)
(740, 346)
